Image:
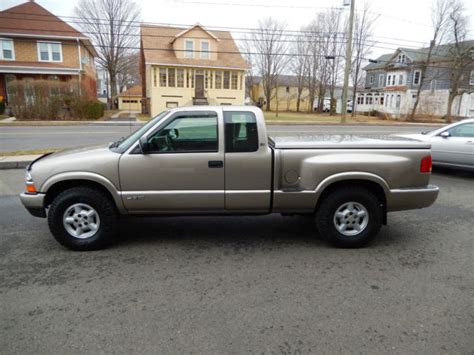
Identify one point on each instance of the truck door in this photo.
(184, 169)
(248, 164)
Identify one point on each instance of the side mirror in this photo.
(144, 145)
(445, 134)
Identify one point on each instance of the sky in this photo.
(400, 23)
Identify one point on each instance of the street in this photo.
(241, 284)
(43, 137)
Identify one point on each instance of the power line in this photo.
(138, 24)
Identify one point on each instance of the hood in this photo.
(98, 160)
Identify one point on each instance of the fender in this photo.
(86, 176)
(353, 175)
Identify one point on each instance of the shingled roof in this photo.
(32, 19)
(158, 48)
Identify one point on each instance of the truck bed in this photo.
(346, 141)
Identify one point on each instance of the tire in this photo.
(85, 208)
(344, 208)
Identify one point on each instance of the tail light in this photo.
(426, 164)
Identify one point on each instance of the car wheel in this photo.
(349, 217)
(83, 218)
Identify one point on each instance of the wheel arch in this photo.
(59, 183)
(369, 181)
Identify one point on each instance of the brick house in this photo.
(190, 66)
(392, 81)
(35, 44)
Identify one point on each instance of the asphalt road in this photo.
(241, 284)
(42, 137)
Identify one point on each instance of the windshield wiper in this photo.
(116, 143)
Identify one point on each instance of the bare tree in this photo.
(299, 68)
(128, 71)
(270, 54)
(361, 48)
(459, 56)
(439, 19)
(113, 27)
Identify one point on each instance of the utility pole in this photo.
(347, 68)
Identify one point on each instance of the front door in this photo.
(183, 171)
(457, 148)
(199, 90)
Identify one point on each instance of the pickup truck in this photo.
(219, 161)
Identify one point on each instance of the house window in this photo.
(218, 80)
(180, 78)
(371, 80)
(204, 50)
(241, 78)
(400, 80)
(416, 77)
(380, 80)
(50, 52)
(471, 78)
(189, 48)
(171, 77)
(234, 81)
(226, 79)
(163, 77)
(6, 49)
(401, 58)
(389, 78)
(154, 77)
(381, 100)
(190, 78)
(393, 80)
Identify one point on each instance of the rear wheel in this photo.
(82, 218)
(349, 217)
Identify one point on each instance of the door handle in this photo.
(213, 164)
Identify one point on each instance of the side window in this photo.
(464, 130)
(241, 133)
(186, 134)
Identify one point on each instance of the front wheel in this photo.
(349, 217)
(82, 218)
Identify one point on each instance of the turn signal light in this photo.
(31, 188)
(426, 164)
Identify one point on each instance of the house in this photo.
(130, 99)
(392, 81)
(190, 66)
(35, 44)
(284, 97)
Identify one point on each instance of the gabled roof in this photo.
(31, 19)
(158, 49)
(440, 53)
(182, 33)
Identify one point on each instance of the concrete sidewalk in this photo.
(16, 162)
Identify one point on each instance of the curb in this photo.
(16, 162)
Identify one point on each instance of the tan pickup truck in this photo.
(219, 161)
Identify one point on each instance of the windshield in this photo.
(123, 144)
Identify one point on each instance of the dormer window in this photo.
(189, 48)
(401, 58)
(50, 52)
(6, 49)
(204, 49)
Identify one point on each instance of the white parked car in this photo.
(452, 145)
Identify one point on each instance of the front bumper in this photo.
(411, 198)
(34, 203)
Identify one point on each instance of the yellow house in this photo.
(130, 100)
(284, 97)
(190, 66)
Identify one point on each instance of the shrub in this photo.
(2, 107)
(52, 100)
(85, 109)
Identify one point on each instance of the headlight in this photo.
(30, 186)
